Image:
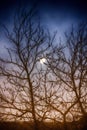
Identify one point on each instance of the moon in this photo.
(42, 61)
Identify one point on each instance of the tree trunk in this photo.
(33, 105)
(64, 122)
(82, 109)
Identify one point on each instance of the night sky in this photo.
(56, 11)
(55, 14)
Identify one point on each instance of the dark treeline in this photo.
(78, 125)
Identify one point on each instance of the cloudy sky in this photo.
(55, 14)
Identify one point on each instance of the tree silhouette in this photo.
(55, 90)
(21, 69)
(68, 64)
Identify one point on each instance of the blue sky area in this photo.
(54, 14)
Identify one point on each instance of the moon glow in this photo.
(42, 61)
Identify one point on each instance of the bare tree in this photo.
(68, 64)
(77, 44)
(55, 90)
(21, 70)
